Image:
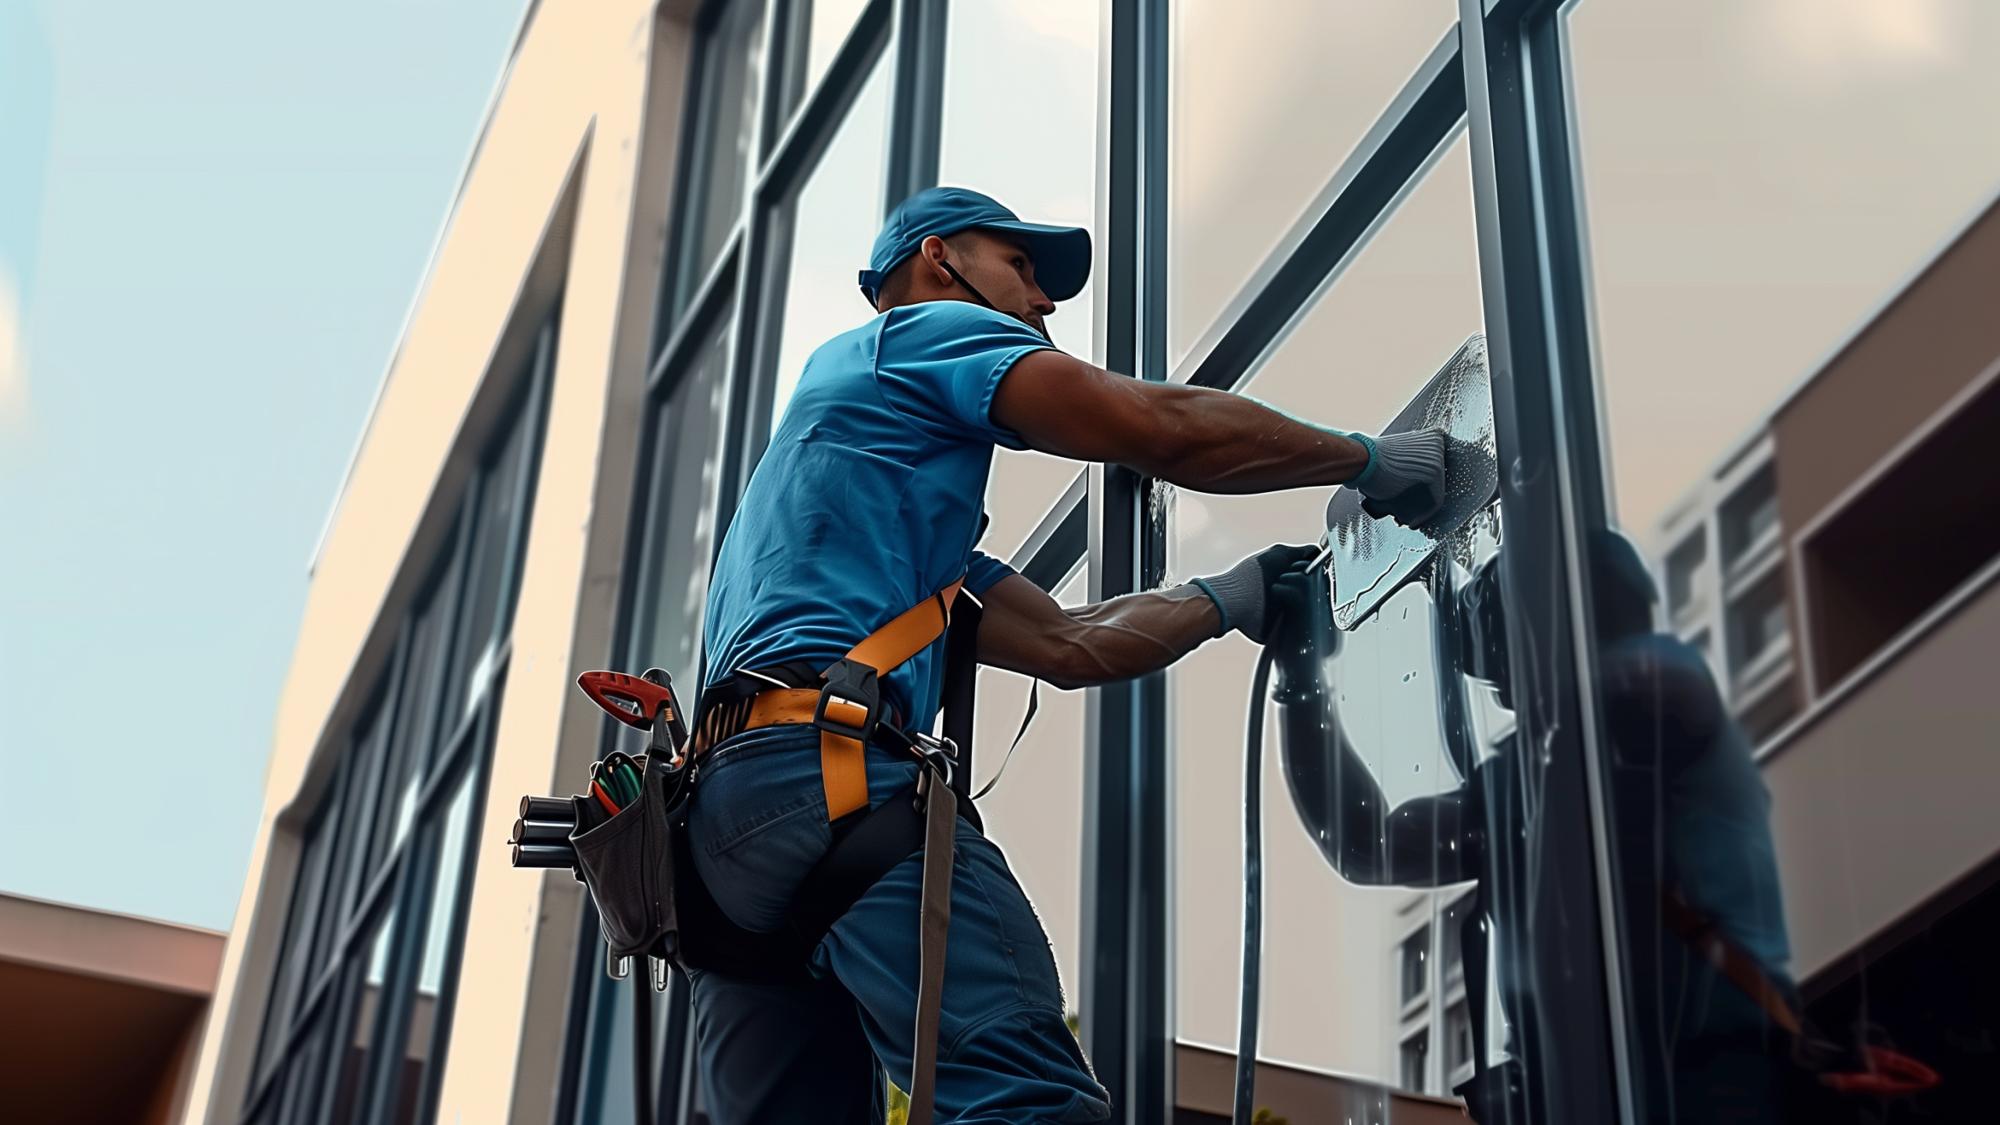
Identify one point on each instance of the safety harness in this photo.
(632, 851)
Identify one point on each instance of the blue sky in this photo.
(213, 216)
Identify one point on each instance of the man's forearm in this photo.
(1215, 441)
(1131, 636)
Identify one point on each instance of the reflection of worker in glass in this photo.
(1699, 868)
(867, 502)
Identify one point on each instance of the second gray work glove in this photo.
(1405, 477)
(1241, 593)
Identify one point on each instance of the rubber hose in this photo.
(1253, 895)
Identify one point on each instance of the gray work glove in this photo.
(1241, 593)
(1405, 477)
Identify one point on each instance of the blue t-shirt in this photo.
(868, 499)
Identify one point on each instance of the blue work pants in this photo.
(776, 1054)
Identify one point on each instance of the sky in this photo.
(213, 218)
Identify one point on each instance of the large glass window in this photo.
(1344, 990)
(423, 1038)
(1267, 100)
(819, 27)
(989, 44)
(825, 233)
(1787, 252)
(687, 454)
(733, 80)
(416, 719)
(1035, 812)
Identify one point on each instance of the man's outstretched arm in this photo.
(1025, 630)
(1194, 437)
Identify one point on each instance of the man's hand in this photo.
(1243, 592)
(1405, 477)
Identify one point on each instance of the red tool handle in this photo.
(1890, 1074)
(631, 700)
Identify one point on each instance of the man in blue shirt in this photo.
(868, 502)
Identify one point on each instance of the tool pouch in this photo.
(627, 860)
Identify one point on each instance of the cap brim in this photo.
(1062, 255)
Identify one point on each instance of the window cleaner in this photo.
(820, 839)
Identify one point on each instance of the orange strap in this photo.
(1736, 964)
(843, 764)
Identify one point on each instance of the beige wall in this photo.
(1887, 798)
(566, 195)
(1933, 339)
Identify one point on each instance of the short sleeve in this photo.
(984, 572)
(941, 361)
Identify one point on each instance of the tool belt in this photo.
(630, 847)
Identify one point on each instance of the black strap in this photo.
(1027, 717)
(960, 694)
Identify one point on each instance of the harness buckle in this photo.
(941, 754)
(849, 686)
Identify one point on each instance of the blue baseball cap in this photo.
(1062, 254)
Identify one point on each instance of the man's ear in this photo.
(932, 251)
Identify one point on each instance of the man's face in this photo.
(1001, 269)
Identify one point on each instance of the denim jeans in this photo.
(775, 1054)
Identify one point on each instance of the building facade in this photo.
(1671, 225)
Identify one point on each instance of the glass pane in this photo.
(1791, 261)
(349, 1082)
(296, 1103)
(345, 881)
(819, 28)
(687, 452)
(1353, 996)
(988, 44)
(499, 499)
(308, 891)
(416, 722)
(1267, 101)
(734, 80)
(825, 234)
(1035, 813)
(423, 1050)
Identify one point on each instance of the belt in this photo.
(847, 707)
(774, 708)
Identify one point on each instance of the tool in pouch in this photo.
(618, 836)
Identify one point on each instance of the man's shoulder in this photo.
(930, 321)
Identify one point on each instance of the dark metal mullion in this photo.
(916, 108)
(697, 323)
(452, 757)
(533, 416)
(639, 568)
(357, 817)
(346, 1000)
(1369, 182)
(468, 868)
(387, 1040)
(1570, 1045)
(1060, 538)
(302, 924)
(690, 195)
(798, 149)
(1127, 974)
